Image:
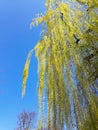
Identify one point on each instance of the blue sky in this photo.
(16, 39)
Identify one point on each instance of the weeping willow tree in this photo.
(67, 65)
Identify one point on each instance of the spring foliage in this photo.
(68, 65)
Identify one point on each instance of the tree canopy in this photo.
(25, 120)
(68, 65)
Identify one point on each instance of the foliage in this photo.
(25, 120)
(68, 64)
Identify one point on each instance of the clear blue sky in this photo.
(16, 39)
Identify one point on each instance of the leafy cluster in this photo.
(68, 65)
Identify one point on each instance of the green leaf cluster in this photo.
(68, 65)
